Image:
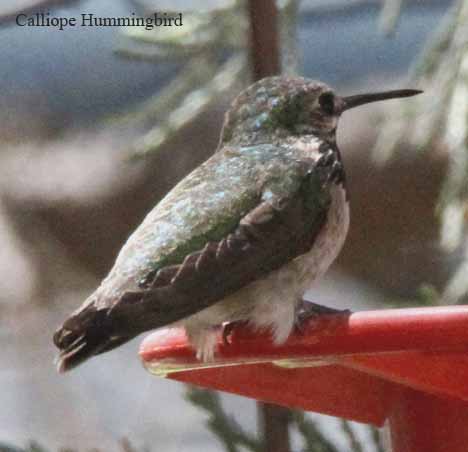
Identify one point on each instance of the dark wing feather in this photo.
(273, 233)
(278, 229)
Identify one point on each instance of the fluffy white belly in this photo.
(271, 302)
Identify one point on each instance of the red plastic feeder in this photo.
(407, 366)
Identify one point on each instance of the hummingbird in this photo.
(241, 238)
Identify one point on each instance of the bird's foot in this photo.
(228, 328)
(307, 310)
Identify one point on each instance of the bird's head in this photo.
(276, 108)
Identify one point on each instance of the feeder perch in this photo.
(405, 366)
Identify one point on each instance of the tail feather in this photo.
(83, 335)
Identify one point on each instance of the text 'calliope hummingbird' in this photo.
(240, 238)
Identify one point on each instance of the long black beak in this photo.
(361, 99)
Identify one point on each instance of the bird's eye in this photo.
(327, 102)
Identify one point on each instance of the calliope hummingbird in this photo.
(241, 237)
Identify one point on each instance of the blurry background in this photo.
(97, 124)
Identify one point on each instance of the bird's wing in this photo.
(238, 234)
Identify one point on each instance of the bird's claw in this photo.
(228, 328)
(307, 310)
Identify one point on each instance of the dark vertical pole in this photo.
(274, 421)
(265, 61)
(264, 41)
